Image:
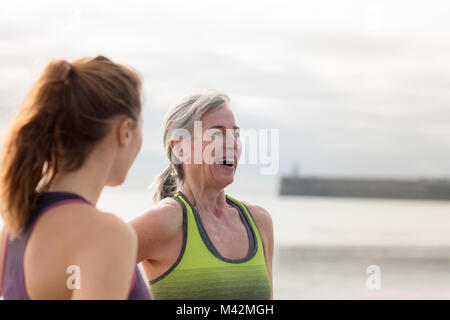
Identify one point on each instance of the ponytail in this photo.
(31, 155)
(166, 183)
(64, 115)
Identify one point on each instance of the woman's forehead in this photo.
(222, 117)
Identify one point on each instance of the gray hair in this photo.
(182, 116)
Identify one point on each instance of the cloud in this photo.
(354, 87)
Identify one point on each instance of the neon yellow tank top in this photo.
(202, 273)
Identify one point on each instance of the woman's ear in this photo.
(177, 149)
(125, 131)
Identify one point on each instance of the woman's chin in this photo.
(116, 181)
(223, 181)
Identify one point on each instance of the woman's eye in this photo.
(217, 134)
(237, 134)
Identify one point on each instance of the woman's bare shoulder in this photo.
(81, 225)
(157, 227)
(164, 219)
(261, 216)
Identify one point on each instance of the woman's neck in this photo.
(205, 199)
(89, 180)
(80, 183)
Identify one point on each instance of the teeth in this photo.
(229, 162)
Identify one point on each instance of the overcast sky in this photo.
(356, 87)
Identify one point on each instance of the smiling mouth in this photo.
(226, 162)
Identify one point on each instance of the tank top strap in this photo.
(248, 214)
(50, 200)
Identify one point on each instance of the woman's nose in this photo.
(230, 140)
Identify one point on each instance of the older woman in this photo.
(198, 242)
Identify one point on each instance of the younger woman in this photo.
(78, 131)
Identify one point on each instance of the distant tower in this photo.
(295, 171)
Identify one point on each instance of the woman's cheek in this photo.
(210, 152)
(238, 149)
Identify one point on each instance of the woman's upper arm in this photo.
(156, 226)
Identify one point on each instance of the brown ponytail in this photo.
(65, 114)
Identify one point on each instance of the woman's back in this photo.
(63, 247)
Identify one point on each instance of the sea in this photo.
(342, 248)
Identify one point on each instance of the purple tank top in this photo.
(13, 284)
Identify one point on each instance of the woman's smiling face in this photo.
(220, 150)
